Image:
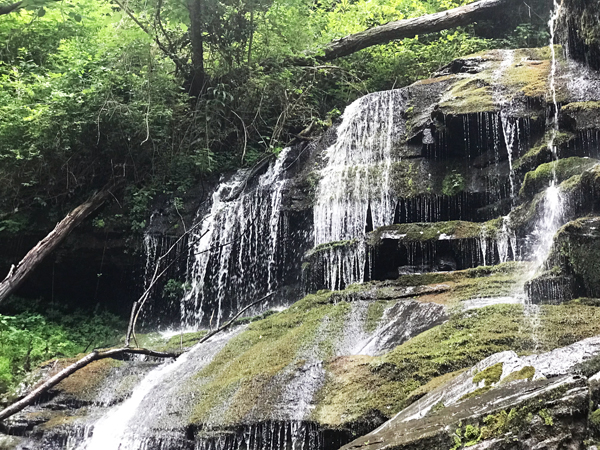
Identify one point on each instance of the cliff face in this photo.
(420, 227)
(580, 31)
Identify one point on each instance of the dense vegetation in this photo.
(88, 93)
(166, 94)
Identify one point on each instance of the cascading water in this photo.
(552, 213)
(129, 426)
(234, 255)
(354, 192)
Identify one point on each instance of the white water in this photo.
(126, 426)
(356, 178)
(553, 203)
(235, 249)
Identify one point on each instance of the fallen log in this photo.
(36, 255)
(31, 398)
(97, 355)
(408, 28)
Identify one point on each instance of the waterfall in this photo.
(552, 205)
(129, 425)
(354, 193)
(234, 255)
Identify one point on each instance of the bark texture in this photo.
(36, 255)
(401, 29)
(7, 9)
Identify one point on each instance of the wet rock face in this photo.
(548, 414)
(573, 265)
(580, 31)
(504, 402)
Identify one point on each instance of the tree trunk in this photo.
(7, 9)
(197, 75)
(408, 28)
(19, 273)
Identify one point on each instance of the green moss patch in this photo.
(480, 282)
(387, 384)
(421, 232)
(375, 312)
(84, 383)
(242, 375)
(581, 106)
(490, 375)
(330, 246)
(526, 373)
(471, 94)
(562, 169)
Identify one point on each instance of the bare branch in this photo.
(96, 355)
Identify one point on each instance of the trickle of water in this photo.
(354, 192)
(234, 256)
(506, 241)
(552, 213)
(551, 219)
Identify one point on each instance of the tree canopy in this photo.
(165, 92)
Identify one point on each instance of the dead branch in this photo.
(408, 28)
(35, 256)
(96, 355)
(30, 398)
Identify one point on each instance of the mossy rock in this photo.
(579, 30)
(421, 232)
(560, 171)
(575, 255)
(246, 374)
(391, 382)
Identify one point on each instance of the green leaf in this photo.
(41, 12)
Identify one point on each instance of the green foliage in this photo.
(28, 338)
(174, 289)
(453, 183)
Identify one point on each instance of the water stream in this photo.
(235, 255)
(130, 424)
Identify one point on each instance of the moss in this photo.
(358, 385)
(84, 383)
(330, 246)
(242, 374)
(526, 373)
(588, 367)
(183, 340)
(468, 95)
(594, 421)
(409, 178)
(421, 232)
(541, 153)
(545, 415)
(476, 393)
(529, 77)
(490, 375)
(480, 282)
(581, 106)
(431, 385)
(375, 312)
(58, 419)
(563, 169)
